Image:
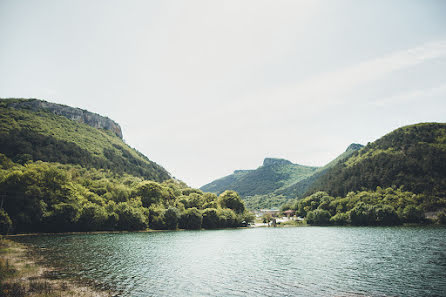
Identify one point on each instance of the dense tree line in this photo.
(382, 207)
(53, 197)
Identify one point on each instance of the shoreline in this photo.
(25, 273)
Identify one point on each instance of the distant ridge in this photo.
(276, 181)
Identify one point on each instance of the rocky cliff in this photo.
(75, 114)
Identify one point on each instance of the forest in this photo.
(413, 157)
(53, 197)
(381, 207)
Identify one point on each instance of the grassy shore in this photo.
(21, 275)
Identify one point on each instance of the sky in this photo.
(207, 87)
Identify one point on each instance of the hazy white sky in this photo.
(207, 87)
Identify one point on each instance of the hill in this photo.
(65, 169)
(412, 157)
(299, 188)
(275, 182)
(272, 175)
(32, 130)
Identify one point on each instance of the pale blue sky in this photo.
(207, 87)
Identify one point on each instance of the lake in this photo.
(300, 261)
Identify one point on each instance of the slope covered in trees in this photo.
(412, 157)
(32, 135)
(261, 183)
(58, 174)
(275, 182)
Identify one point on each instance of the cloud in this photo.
(333, 88)
(407, 97)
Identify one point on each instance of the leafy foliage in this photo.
(53, 197)
(382, 207)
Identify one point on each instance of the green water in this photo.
(305, 261)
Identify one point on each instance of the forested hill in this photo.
(272, 175)
(299, 188)
(412, 157)
(64, 169)
(32, 130)
(275, 182)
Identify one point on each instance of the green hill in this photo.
(275, 182)
(66, 169)
(299, 188)
(272, 175)
(413, 157)
(32, 130)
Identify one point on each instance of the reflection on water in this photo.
(305, 261)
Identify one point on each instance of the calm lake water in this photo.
(303, 261)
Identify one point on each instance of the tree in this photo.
(130, 218)
(412, 214)
(231, 200)
(93, 217)
(340, 219)
(362, 215)
(386, 216)
(210, 218)
(171, 218)
(191, 219)
(318, 217)
(150, 192)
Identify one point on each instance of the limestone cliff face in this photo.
(75, 114)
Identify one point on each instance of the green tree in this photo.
(130, 218)
(171, 218)
(412, 214)
(93, 217)
(386, 216)
(210, 218)
(191, 219)
(362, 215)
(231, 200)
(340, 219)
(318, 217)
(150, 192)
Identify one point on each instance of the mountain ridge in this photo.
(73, 113)
(32, 134)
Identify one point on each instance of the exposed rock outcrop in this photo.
(75, 114)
